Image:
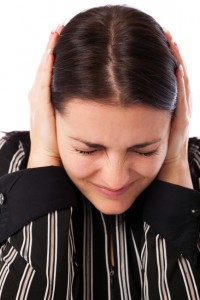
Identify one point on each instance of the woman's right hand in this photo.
(44, 149)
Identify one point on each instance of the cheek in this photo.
(75, 166)
(149, 166)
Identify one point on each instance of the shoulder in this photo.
(29, 194)
(14, 151)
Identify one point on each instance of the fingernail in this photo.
(174, 43)
(51, 34)
(49, 51)
(165, 30)
(181, 69)
(59, 28)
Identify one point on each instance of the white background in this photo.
(25, 28)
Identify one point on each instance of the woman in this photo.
(106, 208)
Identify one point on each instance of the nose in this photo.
(115, 174)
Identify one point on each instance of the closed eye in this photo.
(149, 153)
(86, 152)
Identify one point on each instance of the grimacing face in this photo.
(112, 153)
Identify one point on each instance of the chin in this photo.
(112, 207)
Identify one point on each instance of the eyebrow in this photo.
(137, 146)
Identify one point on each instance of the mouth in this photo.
(110, 192)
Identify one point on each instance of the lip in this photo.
(110, 192)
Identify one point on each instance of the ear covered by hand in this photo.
(44, 149)
(175, 168)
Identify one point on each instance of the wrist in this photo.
(177, 172)
(36, 161)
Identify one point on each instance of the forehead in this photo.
(104, 123)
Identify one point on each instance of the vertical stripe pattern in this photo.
(17, 159)
(51, 256)
(25, 283)
(162, 269)
(8, 260)
(144, 259)
(139, 264)
(123, 273)
(71, 251)
(190, 284)
(87, 252)
(27, 243)
(106, 251)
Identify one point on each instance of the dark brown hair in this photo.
(114, 55)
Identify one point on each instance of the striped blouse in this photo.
(56, 245)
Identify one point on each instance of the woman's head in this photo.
(113, 89)
(114, 55)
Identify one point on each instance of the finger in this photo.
(181, 107)
(176, 51)
(44, 72)
(180, 61)
(40, 89)
(182, 71)
(45, 66)
(179, 125)
(56, 32)
(53, 38)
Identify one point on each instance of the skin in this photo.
(101, 176)
(102, 172)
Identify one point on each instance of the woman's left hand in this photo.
(175, 168)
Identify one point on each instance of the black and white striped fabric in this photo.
(65, 252)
